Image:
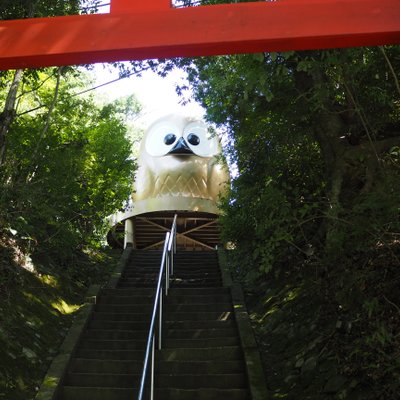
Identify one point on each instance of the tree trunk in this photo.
(8, 114)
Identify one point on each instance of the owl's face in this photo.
(179, 136)
(178, 160)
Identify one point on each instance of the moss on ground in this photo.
(36, 311)
(330, 333)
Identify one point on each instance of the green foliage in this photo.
(36, 312)
(12, 9)
(68, 167)
(274, 204)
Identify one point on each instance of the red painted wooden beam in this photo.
(129, 32)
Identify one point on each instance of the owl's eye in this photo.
(200, 141)
(193, 139)
(160, 138)
(169, 139)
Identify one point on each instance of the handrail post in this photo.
(171, 255)
(160, 322)
(167, 274)
(152, 371)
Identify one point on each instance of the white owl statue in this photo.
(179, 168)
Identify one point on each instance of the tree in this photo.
(68, 166)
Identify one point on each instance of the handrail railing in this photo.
(167, 261)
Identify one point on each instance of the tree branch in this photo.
(48, 119)
(396, 80)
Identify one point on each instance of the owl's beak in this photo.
(181, 148)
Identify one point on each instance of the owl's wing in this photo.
(144, 183)
(217, 178)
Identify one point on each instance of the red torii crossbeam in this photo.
(140, 29)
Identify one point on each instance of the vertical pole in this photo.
(129, 233)
(152, 371)
(175, 239)
(167, 274)
(160, 315)
(172, 255)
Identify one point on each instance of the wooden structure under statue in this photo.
(180, 170)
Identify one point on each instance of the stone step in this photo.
(201, 394)
(198, 299)
(184, 267)
(178, 266)
(127, 299)
(179, 381)
(163, 367)
(200, 343)
(136, 326)
(177, 275)
(196, 275)
(176, 284)
(201, 279)
(199, 333)
(196, 381)
(141, 272)
(200, 324)
(223, 353)
(146, 292)
(188, 256)
(156, 264)
(171, 307)
(126, 334)
(200, 316)
(114, 334)
(102, 380)
(133, 317)
(197, 307)
(204, 291)
(96, 393)
(176, 325)
(139, 281)
(137, 284)
(133, 355)
(194, 283)
(125, 308)
(168, 343)
(175, 299)
(96, 344)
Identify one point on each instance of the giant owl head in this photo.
(179, 168)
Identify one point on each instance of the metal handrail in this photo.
(167, 265)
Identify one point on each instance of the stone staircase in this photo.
(201, 359)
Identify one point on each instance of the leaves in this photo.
(68, 167)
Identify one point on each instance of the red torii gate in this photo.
(140, 29)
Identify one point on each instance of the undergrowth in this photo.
(38, 302)
(330, 331)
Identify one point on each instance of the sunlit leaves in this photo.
(66, 179)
